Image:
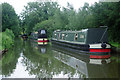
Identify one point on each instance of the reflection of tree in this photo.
(10, 59)
(44, 65)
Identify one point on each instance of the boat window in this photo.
(42, 31)
(76, 36)
(63, 34)
(81, 36)
(36, 32)
(55, 35)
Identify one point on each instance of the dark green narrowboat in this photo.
(92, 41)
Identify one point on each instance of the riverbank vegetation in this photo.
(10, 19)
(7, 39)
(10, 27)
(116, 44)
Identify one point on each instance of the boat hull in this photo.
(91, 50)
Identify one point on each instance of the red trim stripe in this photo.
(100, 50)
(100, 57)
(42, 40)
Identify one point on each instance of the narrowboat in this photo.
(40, 36)
(92, 42)
(34, 35)
(24, 36)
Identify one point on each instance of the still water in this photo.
(28, 60)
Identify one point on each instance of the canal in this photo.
(28, 60)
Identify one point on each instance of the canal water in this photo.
(28, 60)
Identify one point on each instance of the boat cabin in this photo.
(84, 36)
(42, 33)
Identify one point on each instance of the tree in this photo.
(108, 14)
(36, 12)
(9, 19)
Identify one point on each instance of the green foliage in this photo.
(47, 24)
(36, 12)
(10, 33)
(10, 59)
(7, 39)
(116, 44)
(10, 19)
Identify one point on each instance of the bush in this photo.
(10, 33)
(7, 39)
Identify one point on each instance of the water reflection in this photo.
(44, 66)
(89, 68)
(41, 47)
(9, 60)
(31, 62)
(27, 59)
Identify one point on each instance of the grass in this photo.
(116, 44)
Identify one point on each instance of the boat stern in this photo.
(100, 51)
(42, 41)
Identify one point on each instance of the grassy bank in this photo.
(7, 39)
(115, 44)
(116, 57)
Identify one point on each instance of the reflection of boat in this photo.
(73, 62)
(91, 42)
(79, 56)
(42, 43)
(42, 48)
(89, 68)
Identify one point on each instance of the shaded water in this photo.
(28, 60)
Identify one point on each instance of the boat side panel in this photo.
(81, 37)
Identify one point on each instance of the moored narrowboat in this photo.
(92, 42)
(34, 35)
(40, 36)
(24, 36)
